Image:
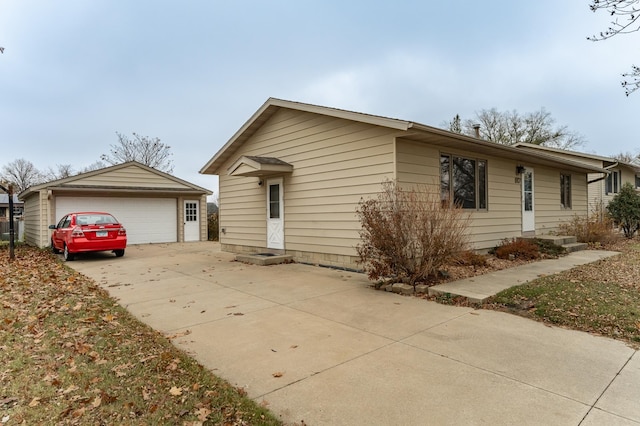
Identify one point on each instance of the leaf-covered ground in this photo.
(601, 297)
(69, 354)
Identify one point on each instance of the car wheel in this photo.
(119, 253)
(54, 249)
(67, 256)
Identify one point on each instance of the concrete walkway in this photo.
(479, 289)
(345, 354)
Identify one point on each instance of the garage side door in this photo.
(147, 220)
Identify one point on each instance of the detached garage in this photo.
(154, 207)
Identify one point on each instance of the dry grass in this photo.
(69, 354)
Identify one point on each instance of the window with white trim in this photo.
(613, 182)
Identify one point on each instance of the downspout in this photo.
(605, 176)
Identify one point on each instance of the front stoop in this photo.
(264, 259)
(570, 243)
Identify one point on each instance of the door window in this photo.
(528, 191)
(274, 201)
(191, 212)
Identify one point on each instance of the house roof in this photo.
(408, 129)
(607, 162)
(75, 182)
(4, 199)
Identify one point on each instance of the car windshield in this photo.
(95, 219)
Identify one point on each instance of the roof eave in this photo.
(272, 105)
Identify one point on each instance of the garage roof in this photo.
(126, 177)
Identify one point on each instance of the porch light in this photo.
(519, 169)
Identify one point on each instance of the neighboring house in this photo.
(154, 207)
(292, 176)
(4, 207)
(602, 187)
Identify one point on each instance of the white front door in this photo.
(528, 201)
(275, 214)
(191, 220)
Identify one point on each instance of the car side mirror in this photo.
(53, 226)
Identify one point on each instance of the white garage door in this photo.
(147, 220)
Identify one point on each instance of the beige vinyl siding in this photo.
(36, 219)
(549, 211)
(129, 177)
(242, 211)
(596, 193)
(335, 162)
(419, 163)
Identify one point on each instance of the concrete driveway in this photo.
(320, 345)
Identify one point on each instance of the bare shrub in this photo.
(471, 258)
(212, 227)
(517, 248)
(409, 234)
(596, 228)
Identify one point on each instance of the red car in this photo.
(83, 232)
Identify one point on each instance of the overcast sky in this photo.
(75, 72)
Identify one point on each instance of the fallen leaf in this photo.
(184, 333)
(202, 414)
(175, 391)
(277, 374)
(70, 389)
(96, 402)
(34, 402)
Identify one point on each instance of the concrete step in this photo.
(571, 247)
(264, 259)
(558, 239)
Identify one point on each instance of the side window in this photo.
(62, 222)
(565, 191)
(613, 182)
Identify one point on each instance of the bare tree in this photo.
(60, 172)
(492, 126)
(143, 149)
(511, 127)
(626, 157)
(93, 166)
(22, 174)
(625, 14)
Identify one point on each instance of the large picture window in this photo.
(565, 191)
(463, 181)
